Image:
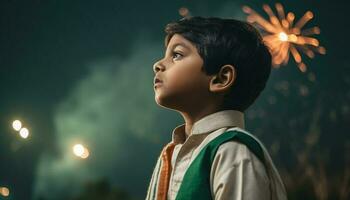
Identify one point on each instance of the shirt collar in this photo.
(210, 123)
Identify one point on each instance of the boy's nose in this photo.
(158, 66)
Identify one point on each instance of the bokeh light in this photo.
(184, 12)
(80, 151)
(24, 133)
(4, 191)
(17, 125)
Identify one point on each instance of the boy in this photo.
(212, 71)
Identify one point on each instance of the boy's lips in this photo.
(157, 81)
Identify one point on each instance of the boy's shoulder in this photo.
(235, 156)
(243, 146)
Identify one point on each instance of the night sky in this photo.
(81, 72)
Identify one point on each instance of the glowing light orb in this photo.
(80, 151)
(4, 191)
(17, 125)
(24, 133)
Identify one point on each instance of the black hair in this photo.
(228, 41)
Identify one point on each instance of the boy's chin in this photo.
(160, 101)
(166, 103)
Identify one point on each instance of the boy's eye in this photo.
(176, 55)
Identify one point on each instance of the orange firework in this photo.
(284, 37)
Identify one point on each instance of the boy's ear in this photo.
(223, 80)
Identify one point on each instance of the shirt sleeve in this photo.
(237, 174)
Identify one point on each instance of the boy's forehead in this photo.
(178, 40)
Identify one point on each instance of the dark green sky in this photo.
(83, 70)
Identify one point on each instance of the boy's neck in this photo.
(191, 118)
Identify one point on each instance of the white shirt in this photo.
(236, 173)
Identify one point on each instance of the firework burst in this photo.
(283, 37)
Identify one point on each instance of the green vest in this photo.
(196, 181)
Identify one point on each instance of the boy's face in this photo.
(183, 84)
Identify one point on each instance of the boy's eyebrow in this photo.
(180, 44)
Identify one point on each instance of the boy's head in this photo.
(229, 54)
